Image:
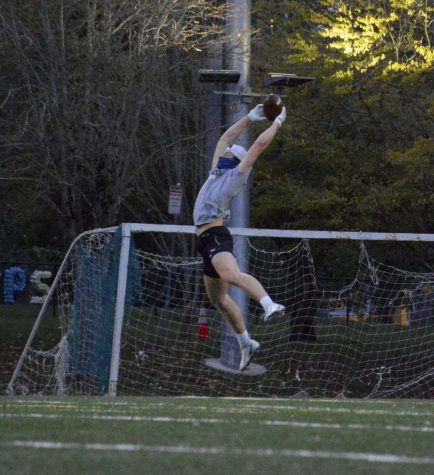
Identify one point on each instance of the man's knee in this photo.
(230, 275)
(216, 298)
(220, 301)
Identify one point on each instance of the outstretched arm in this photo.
(262, 142)
(231, 135)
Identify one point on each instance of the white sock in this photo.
(266, 302)
(243, 339)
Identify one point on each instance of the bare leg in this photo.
(227, 268)
(217, 290)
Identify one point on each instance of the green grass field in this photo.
(78, 435)
(16, 323)
(185, 435)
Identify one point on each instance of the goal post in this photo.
(134, 320)
(43, 311)
(119, 307)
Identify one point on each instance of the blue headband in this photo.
(227, 163)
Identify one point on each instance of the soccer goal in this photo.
(134, 319)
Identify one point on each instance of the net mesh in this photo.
(372, 337)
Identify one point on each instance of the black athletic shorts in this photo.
(210, 243)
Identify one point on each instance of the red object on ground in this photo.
(203, 332)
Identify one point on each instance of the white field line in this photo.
(69, 403)
(310, 400)
(199, 421)
(185, 449)
(331, 410)
(234, 409)
(99, 417)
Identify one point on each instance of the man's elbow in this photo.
(262, 143)
(228, 138)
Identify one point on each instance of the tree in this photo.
(356, 152)
(96, 97)
(372, 97)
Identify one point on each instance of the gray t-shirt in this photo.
(216, 194)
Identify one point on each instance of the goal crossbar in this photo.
(290, 233)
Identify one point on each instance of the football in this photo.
(272, 106)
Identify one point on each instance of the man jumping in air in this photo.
(230, 170)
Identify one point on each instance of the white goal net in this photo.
(135, 321)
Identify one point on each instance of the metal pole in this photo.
(237, 57)
(213, 117)
(120, 308)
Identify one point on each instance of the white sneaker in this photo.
(247, 353)
(273, 311)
